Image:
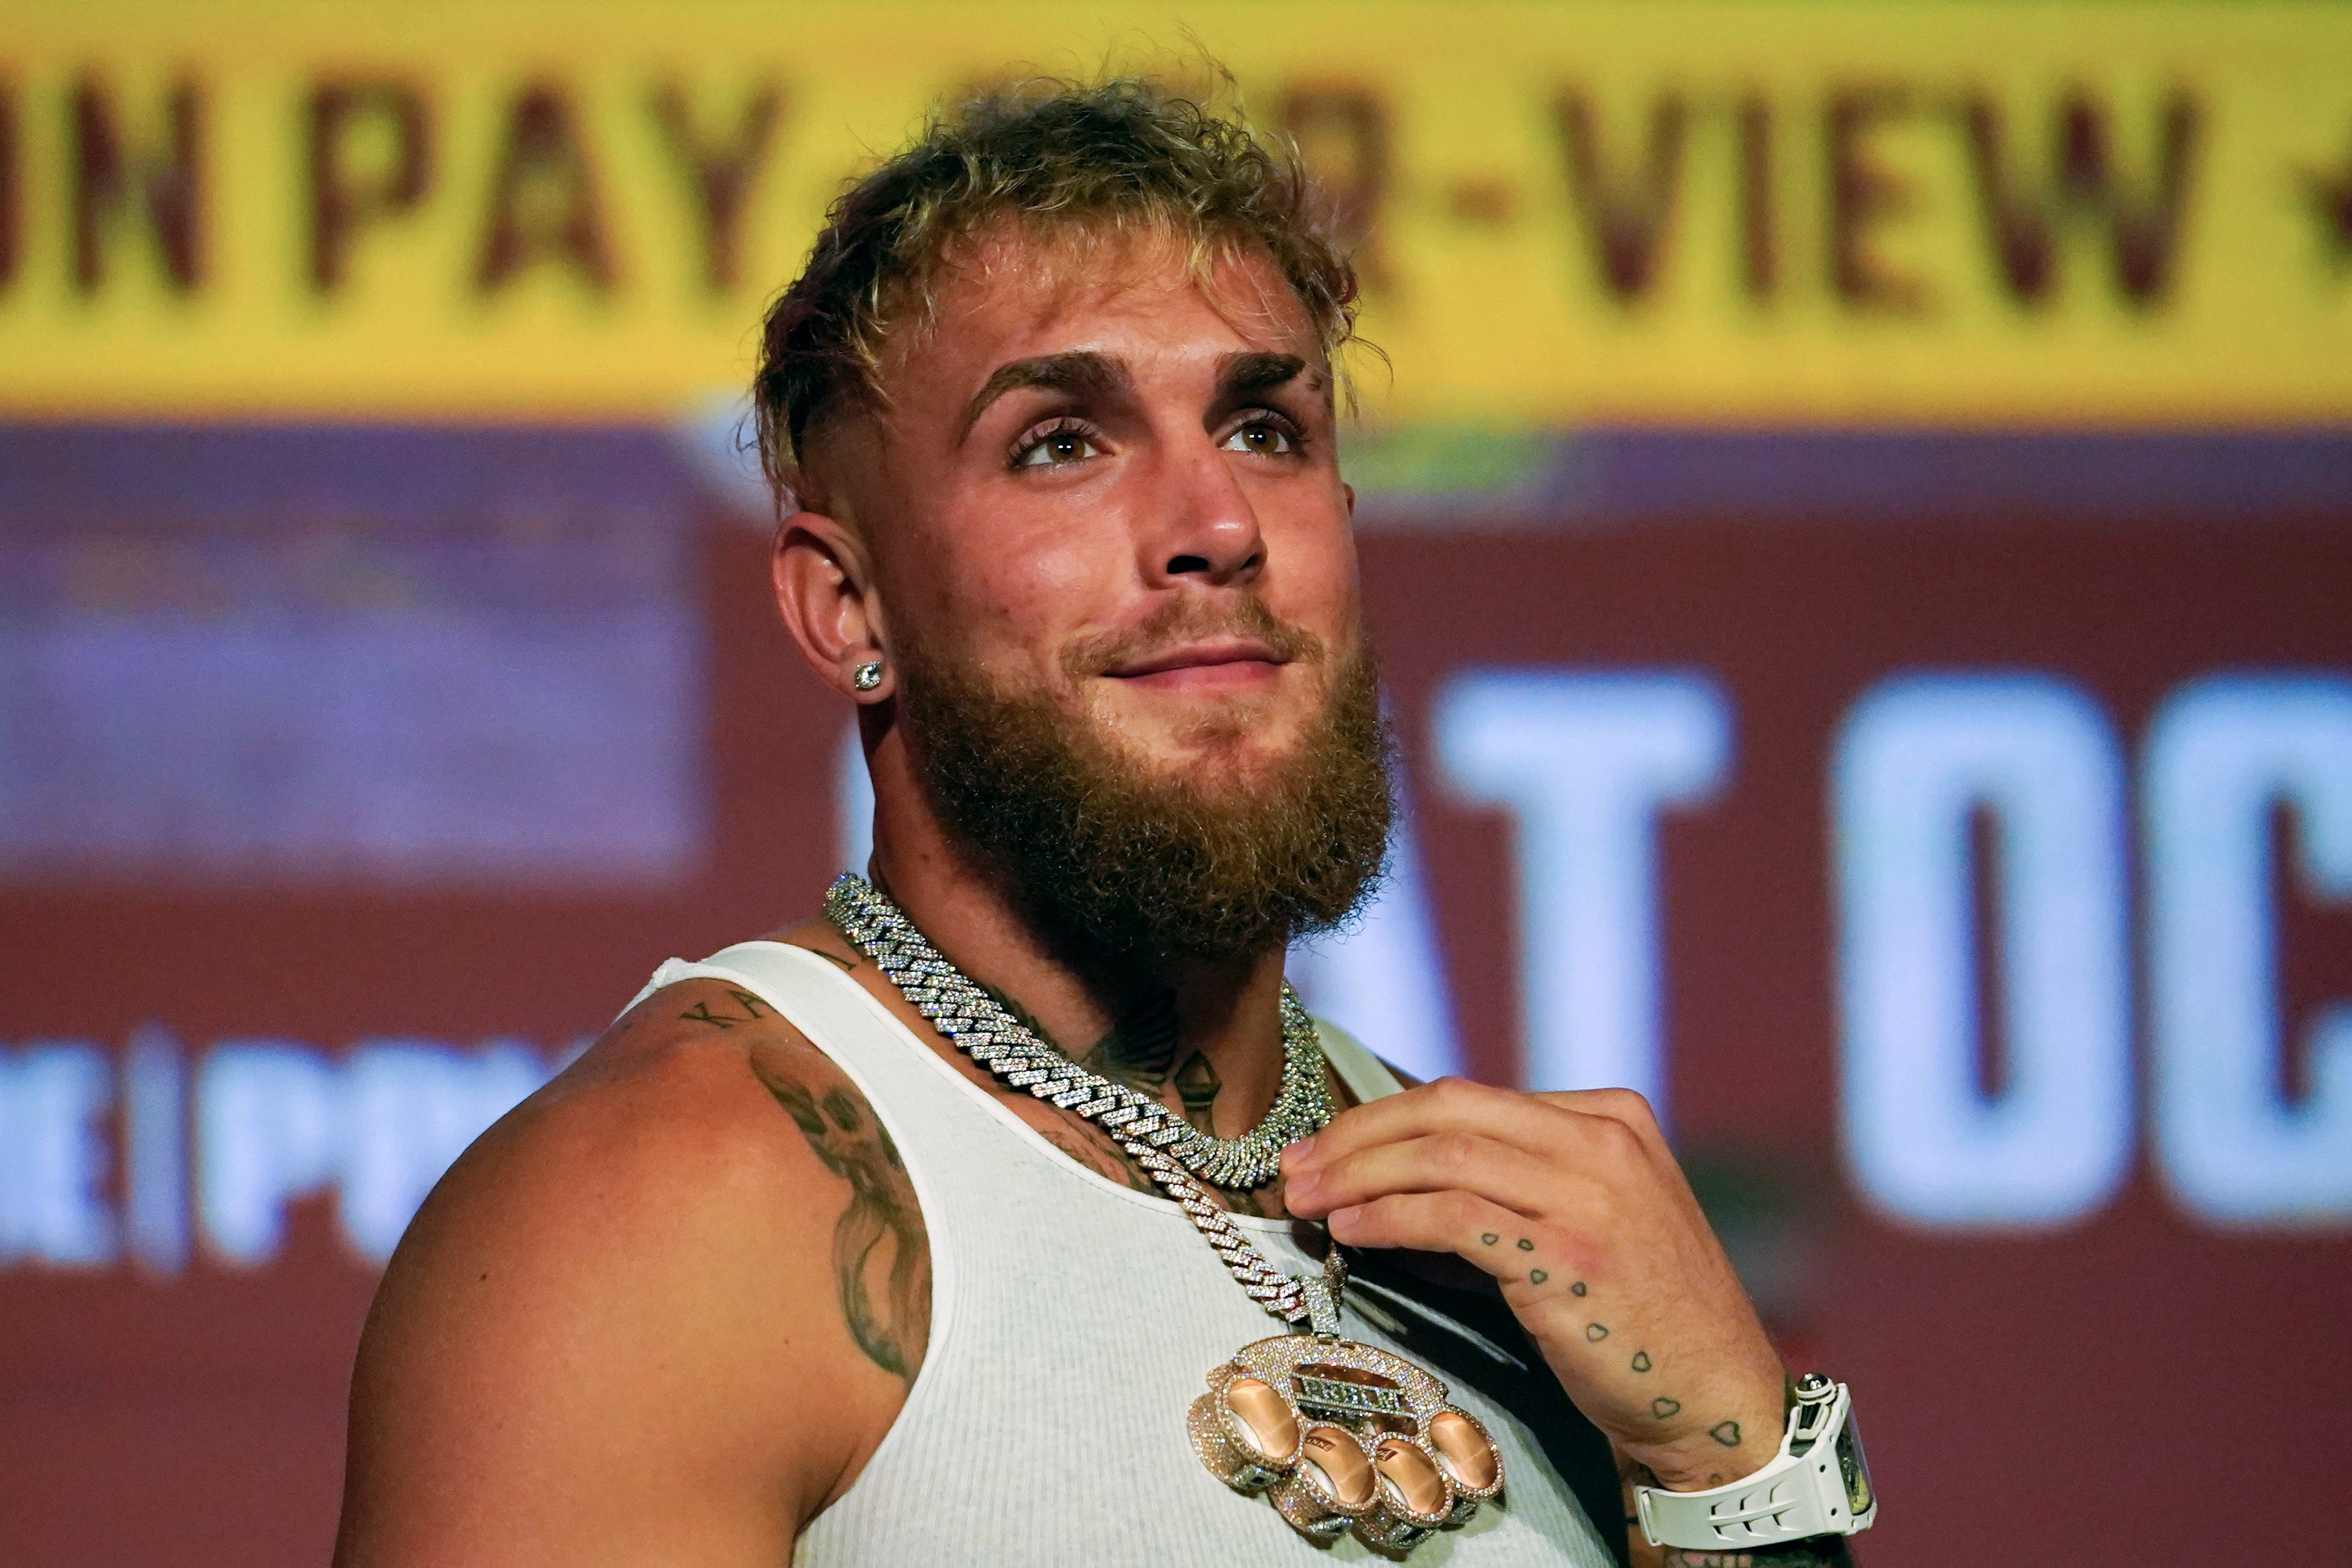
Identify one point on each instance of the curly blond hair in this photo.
(1124, 155)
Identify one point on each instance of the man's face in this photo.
(1098, 486)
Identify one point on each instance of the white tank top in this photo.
(1073, 1323)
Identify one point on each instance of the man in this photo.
(779, 1267)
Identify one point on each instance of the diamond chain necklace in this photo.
(1336, 1435)
(986, 1031)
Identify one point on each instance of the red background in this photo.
(2132, 1389)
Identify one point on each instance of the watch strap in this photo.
(1801, 1493)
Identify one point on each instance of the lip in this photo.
(1209, 655)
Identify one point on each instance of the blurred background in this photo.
(1858, 512)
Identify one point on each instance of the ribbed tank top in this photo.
(1073, 1321)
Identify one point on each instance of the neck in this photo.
(1210, 1028)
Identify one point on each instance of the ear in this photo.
(825, 590)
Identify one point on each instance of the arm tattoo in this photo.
(881, 1258)
(753, 1011)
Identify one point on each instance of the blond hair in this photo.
(1126, 155)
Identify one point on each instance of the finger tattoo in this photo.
(1596, 1333)
(1662, 1407)
(1641, 1360)
(1725, 1433)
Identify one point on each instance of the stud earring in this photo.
(867, 676)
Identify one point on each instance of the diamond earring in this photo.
(867, 676)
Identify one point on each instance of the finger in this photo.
(1484, 1234)
(1449, 1104)
(1536, 1124)
(1438, 1162)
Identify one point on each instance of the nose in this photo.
(1205, 530)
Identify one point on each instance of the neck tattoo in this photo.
(1339, 1436)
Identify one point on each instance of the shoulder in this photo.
(627, 1295)
(678, 1115)
(697, 1108)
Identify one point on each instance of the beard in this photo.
(1105, 853)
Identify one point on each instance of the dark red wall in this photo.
(2123, 1391)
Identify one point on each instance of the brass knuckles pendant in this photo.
(1343, 1435)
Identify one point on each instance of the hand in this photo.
(1574, 1204)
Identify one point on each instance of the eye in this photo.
(1053, 445)
(1265, 436)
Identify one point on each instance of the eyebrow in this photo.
(1243, 374)
(1081, 370)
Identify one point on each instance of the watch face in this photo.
(1859, 1498)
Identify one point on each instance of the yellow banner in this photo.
(1999, 213)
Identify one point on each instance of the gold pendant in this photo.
(1342, 1436)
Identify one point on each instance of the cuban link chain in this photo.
(1173, 1152)
(1344, 1398)
(982, 1027)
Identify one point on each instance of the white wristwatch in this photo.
(1816, 1484)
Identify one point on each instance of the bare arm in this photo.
(661, 1313)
